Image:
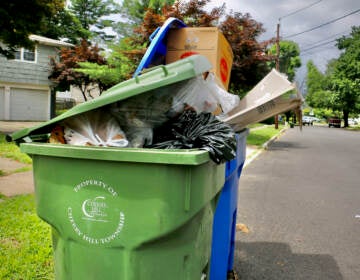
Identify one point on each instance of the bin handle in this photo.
(152, 36)
(166, 72)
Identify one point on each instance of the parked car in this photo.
(315, 119)
(334, 122)
(306, 120)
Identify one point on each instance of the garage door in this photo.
(2, 103)
(29, 105)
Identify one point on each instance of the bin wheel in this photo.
(232, 275)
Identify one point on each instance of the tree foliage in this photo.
(315, 84)
(64, 71)
(339, 87)
(19, 19)
(250, 56)
(119, 66)
(345, 80)
(289, 58)
(64, 26)
(93, 16)
(132, 13)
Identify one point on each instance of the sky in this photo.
(299, 16)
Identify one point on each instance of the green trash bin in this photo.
(126, 213)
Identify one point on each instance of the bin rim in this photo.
(138, 155)
(162, 75)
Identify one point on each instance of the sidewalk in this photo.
(17, 183)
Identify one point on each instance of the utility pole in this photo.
(276, 117)
(278, 46)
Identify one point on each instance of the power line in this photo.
(321, 25)
(318, 45)
(325, 39)
(295, 12)
(313, 51)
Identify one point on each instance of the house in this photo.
(25, 90)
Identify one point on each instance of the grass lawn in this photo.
(12, 151)
(257, 137)
(25, 241)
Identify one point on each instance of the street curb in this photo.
(265, 146)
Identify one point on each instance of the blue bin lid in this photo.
(155, 53)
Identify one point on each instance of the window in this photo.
(25, 55)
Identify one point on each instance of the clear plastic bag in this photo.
(227, 101)
(94, 128)
(140, 114)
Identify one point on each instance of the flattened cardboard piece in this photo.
(269, 97)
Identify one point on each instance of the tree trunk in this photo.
(83, 91)
(346, 118)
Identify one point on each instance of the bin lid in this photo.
(159, 76)
(157, 50)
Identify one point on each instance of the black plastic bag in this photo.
(191, 130)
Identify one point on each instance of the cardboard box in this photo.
(207, 41)
(273, 95)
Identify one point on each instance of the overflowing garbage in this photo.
(177, 116)
(194, 113)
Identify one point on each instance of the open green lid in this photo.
(160, 76)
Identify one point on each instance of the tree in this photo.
(339, 88)
(289, 59)
(317, 96)
(65, 26)
(345, 80)
(134, 10)
(93, 16)
(19, 19)
(119, 67)
(250, 58)
(64, 71)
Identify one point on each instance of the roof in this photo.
(49, 42)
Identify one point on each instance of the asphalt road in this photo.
(301, 202)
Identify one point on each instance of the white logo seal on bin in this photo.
(102, 211)
(95, 209)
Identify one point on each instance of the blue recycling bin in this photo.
(223, 240)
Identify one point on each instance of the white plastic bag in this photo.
(94, 128)
(227, 101)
